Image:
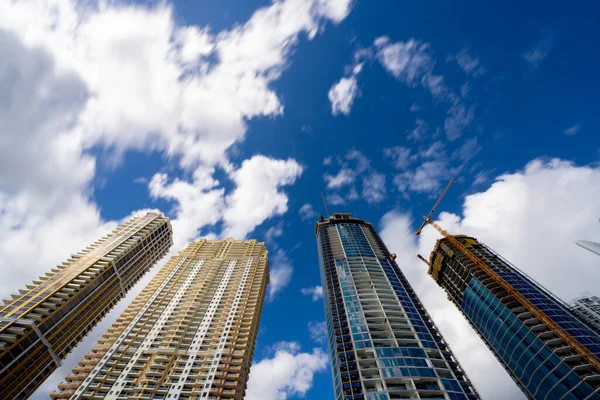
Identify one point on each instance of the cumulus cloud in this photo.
(342, 95)
(307, 212)
(345, 176)
(198, 203)
(46, 214)
(401, 156)
(419, 132)
(202, 202)
(374, 188)
(280, 270)
(550, 192)
(412, 62)
(538, 52)
(257, 196)
(355, 165)
(572, 130)
(458, 119)
(407, 61)
(315, 292)
(335, 199)
(288, 373)
(468, 62)
(159, 85)
(318, 331)
(274, 232)
(428, 169)
(426, 178)
(126, 77)
(468, 150)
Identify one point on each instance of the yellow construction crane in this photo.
(435, 206)
(529, 306)
(420, 257)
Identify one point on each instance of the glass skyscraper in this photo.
(41, 324)
(382, 342)
(542, 364)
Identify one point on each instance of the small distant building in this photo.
(587, 308)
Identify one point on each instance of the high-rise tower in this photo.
(548, 359)
(40, 325)
(382, 342)
(189, 334)
(587, 308)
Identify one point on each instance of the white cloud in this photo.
(335, 199)
(344, 177)
(198, 203)
(120, 77)
(436, 86)
(362, 162)
(257, 196)
(354, 165)
(538, 52)
(468, 150)
(420, 130)
(412, 63)
(307, 212)
(288, 373)
(407, 61)
(336, 10)
(468, 63)
(315, 292)
(374, 188)
(280, 270)
(435, 150)
(46, 214)
(458, 119)
(401, 156)
(342, 95)
(202, 203)
(551, 193)
(481, 178)
(572, 130)
(274, 232)
(318, 331)
(426, 178)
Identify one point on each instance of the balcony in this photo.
(63, 394)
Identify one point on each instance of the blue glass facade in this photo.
(382, 342)
(541, 364)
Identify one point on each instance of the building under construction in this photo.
(42, 323)
(548, 352)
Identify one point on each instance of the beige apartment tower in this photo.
(42, 323)
(190, 334)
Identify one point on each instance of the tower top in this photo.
(337, 218)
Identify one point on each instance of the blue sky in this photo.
(230, 117)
